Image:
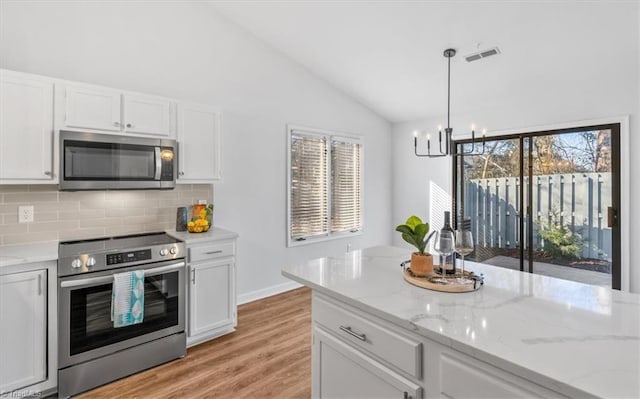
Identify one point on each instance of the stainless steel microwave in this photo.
(92, 161)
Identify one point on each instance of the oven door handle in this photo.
(109, 278)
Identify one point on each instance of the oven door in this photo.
(85, 328)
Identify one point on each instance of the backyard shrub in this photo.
(559, 241)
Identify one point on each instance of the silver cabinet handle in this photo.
(348, 330)
(213, 252)
(130, 125)
(39, 284)
(193, 276)
(47, 173)
(181, 173)
(116, 124)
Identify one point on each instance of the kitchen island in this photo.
(520, 335)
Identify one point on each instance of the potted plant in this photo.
(414, 232)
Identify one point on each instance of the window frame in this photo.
(329, 135)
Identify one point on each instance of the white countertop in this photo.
(214, 233)
(570, 337)
(11, 255)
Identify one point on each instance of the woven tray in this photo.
(437, 282)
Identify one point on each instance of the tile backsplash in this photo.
(69, 215)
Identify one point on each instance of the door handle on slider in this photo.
(612, 217)
(213, 252)
(348, 330)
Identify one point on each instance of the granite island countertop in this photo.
(577, 339)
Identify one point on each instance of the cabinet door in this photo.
(26, 128)
(211, 296)
(93, 108)
(199, 143)
(342, 371)
(147, 115)
(23, 334)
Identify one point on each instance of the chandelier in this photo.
(449, 147)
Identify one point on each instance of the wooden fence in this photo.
(578, 201)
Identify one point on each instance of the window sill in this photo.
(317, 239)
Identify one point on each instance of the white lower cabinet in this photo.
(355, 356)
(342, 371)
(27, 332)
(211, 289)
(462, 376)
(358, 355)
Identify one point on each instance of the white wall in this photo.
(609, 88)
(189, 51)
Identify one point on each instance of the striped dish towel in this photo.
(127, 298)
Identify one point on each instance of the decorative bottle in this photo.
(447, 262)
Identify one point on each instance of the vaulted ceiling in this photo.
(388, 55)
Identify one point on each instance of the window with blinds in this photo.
(325, 185)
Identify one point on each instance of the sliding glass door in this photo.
(545, 202)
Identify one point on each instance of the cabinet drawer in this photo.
(481, 380)
(211, 251)
(373, 337)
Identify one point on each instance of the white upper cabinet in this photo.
(198, 134)
(110, 110)
(93, 108)
(147, 115)
(26, 128)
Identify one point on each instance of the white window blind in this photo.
(325, 185)
(309, 188)
(345, 186)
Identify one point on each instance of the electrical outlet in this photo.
(202, 202)
(25, 214)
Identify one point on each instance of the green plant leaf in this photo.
(421, 231)
(413, 221)
(403, 228)
(411, 240)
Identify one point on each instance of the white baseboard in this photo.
(269, 291)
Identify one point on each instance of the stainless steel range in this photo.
(91, 350)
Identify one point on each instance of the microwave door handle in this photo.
(158, 164)
(109, 278)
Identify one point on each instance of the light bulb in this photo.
(415, 133)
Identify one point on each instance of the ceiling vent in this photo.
(482, 54)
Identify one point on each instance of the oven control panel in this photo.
(96, 255)
(126, 257)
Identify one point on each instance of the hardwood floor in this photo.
(269, 356)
